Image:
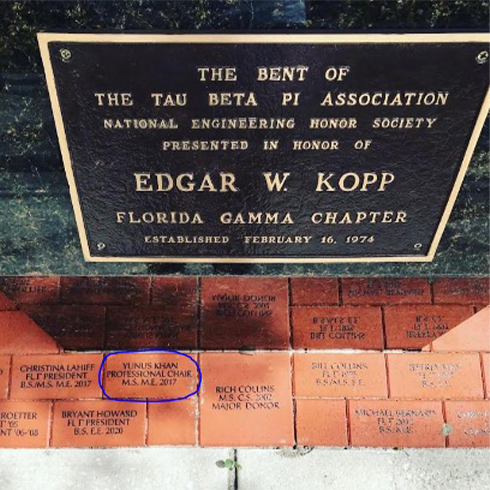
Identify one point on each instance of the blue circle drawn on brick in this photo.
(139, 400)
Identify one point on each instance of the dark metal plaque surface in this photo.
(286, 148)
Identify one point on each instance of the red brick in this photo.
(174, 291)
(384, 290)
(5, 303)
(21, 335)
(435, 375)
(240, 312)
(74, 327)
(471, 335)
(396, 423)
(413, 327)
(114, 290)
(337, 327)
(152, 326)
(98, 423)
(149, 375)
(31, 289)
(4, 376)
(55, 376)
(24, 424)
(470, 423)
(462, 290)
(314, 291)
(321, 423)
(173, 424)
(340, 375)
(246, 400)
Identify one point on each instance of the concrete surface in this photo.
(366, 469)
(260, 469)
(114, 469)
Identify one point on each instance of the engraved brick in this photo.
(240, 312)
(152, 326)
(115, 290)
(473, 334)
(246, 400)
(384, 290)
(98, 423)
(314, 291)
(21, 335)
(173, 424)
(24, 424)
(413, 327)
(340, 375)
(55, 376)
(31, 289)
(150, 375)
(435, 376)
(462, 290)
(174, 291)
(341, 327)
(321, 423)
(469, 423)
(74, 327)
(396, 423)
(4, 376)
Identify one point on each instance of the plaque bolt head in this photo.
(65, 54)
(482, 57)
(101, 246)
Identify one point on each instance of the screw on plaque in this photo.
(65, 54)
(482, 57)
(417, 246)
(101, 246)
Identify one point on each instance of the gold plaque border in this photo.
(44, 38)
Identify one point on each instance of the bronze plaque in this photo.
(265, 147)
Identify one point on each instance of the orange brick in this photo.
(384, 290)
(98, 423)
(5, 303)
(435, 375)
(174, 291)
(486, 373)
(149, 375)
(24, 424)
(462, 290)
(172, 424)
(55, 376)
(413, 327)
(396, 423)
(98, 290)
(152, 326)
(321, 423)
(74, 327)
(246, 400)
(4, 376)
(470, 423)
(31, 289)
(314, 291)
(240, 312)
(471, 335)
(21, 335)
(340, 375)
(337, 327)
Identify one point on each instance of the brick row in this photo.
(424, 376)
(305, 291)
(94, 313)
